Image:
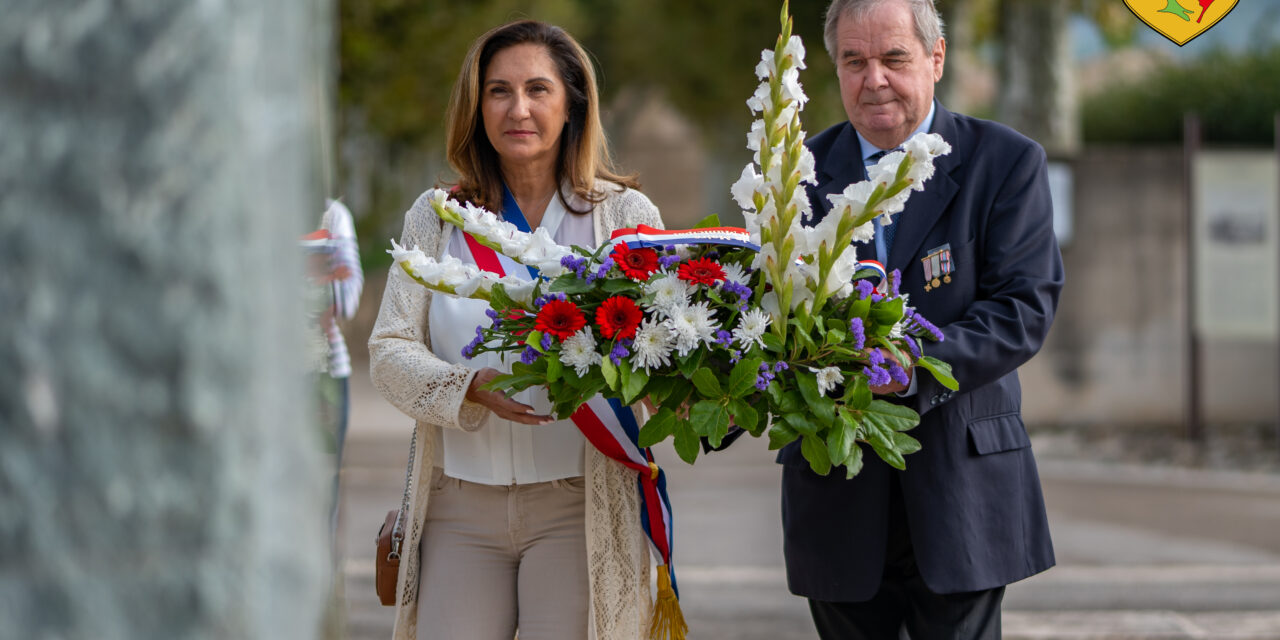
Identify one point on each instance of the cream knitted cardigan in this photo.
(432, 392)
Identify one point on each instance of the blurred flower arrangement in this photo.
(777, 327)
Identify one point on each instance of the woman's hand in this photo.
(500, 405)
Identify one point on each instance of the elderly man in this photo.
(929, 550)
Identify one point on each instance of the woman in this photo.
(515, 521)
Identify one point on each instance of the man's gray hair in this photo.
(928, 22)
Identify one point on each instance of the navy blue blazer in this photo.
(972, 493)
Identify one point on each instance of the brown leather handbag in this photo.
(390, 538)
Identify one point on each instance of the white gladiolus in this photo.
(760, 101)
(765, 67)
(746, 187)
(791, 89)
(795, 49)
(842, 271)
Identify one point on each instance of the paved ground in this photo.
(1144, 553)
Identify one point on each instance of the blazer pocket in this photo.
(998, 433)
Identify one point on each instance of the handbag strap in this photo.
(397, 532)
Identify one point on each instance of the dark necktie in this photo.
(891, 228)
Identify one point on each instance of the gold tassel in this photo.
(668, 621)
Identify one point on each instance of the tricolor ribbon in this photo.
(612, 429)
(646, 236)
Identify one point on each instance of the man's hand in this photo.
(500, 405)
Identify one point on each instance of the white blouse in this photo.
(503, 452)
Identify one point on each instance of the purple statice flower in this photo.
(742, 291)
(875, 358)
(895, 281)
(671, 248)
(766, 376)
(865, 289)
(780, 366)
(546, 341)
(915, 348)
(713, 254)
(898, 373)
(581, 270)
(620, 351)
(734, 356)
(543, 299)
(724, 338)
(493, 315)
(666, 262)
(876, 376)
(605, 267)
(529, 355)
(469, 350)
(573, 264)
(858, 333)
(917, 325)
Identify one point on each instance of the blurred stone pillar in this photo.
(1037, 91)
(159, 477)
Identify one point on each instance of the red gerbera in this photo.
(701, 271)
(618, 317)
(637, 264)
(560, 319)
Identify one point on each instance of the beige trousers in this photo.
(497, 559)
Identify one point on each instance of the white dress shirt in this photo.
(503, 452)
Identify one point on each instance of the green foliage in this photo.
(1236, 97)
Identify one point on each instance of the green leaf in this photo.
(511, 383)
(860, 308)
(534, 339)
(686, 441)
(710, 419)
(905, 443)
(791, 402)
(555, 368)
(781, 435)
(690, 364)
(802, 337)
(941, 372)
(499, 299)
(839, 442)
(897, 417)
(772, 343)
(815, 451)
(836, 336)
(887, 312)
(634, 384)
(707, 383)
(708, 222)
(571, 284)
(823, 407)
(610, 372)
(854, 464)
(658, 428)
(619, 286)
(660, 388)
(742, 380)
(745, 416)
(802, 423)
(858, 394)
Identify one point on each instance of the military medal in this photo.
(937, 267)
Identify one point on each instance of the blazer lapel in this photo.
(924, 208)
(842, 168)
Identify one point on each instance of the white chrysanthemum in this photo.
(733, 272)
(795, 49)
(751, 326)
(828, 378)
(669, 293)
(745, 188)
(579, 351)
(693, 324)
(653, 344)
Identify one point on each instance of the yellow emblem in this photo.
(1180, 20)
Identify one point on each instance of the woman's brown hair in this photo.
(584, 151)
